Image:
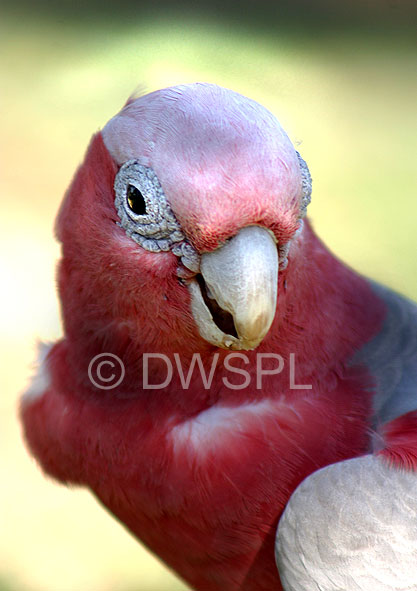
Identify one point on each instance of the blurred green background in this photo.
(341, 77)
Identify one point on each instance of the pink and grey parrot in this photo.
(262, 433)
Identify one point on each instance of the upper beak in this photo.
(240, 278)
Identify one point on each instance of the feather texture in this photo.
(202, 475)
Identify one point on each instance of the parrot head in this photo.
(181, 218)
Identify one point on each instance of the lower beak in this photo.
(234, 299)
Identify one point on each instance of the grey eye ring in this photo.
(143, 210)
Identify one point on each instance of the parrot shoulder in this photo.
(391, 358)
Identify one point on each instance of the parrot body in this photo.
(202, 474)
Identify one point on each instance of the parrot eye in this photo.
(136, 200)
(144, 212)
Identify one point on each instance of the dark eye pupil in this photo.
(136, 200)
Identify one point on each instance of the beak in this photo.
(233, 300)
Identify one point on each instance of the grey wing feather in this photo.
(391, 357)
(351, 526)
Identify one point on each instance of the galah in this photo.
(239, 398)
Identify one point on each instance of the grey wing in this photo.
(391, 358)
(351, 526)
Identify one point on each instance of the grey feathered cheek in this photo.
(306, 185)
(144, 212)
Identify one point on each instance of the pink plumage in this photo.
(200, 475)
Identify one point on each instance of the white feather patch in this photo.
(41, 379)
(210, 427)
